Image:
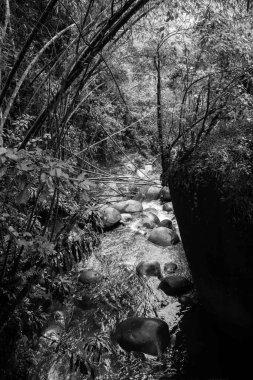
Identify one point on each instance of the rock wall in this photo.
(212, 194)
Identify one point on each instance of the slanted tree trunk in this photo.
(26, 47)
(3, 31)
(159, 108)
(100, 39)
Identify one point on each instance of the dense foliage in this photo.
(81, 84)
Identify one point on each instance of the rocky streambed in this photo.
(113, 286)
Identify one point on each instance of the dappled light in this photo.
(126, 189)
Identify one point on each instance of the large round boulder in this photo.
(153, 193)
(175, 285)
(128, 206)
(111, 217)
(161, 236)
(148, 335)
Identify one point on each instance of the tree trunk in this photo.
(159, 110)
(25, 48)
(95, 47)
(3, 31)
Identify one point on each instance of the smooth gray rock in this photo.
(153, 217)
(111, 217)
(126, 217)
(148, 223)
(148, 335)
(128, 206)
(166, 223)
(151, 209)
(170, 267)
(161, 236)
(167, 207)
(153, 193)
(89, 276)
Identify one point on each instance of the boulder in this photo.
(128, 206)
(126, 217)
(149, 269)
(148, 223)
(151, 209)
(165, 223)
(175, 238)
(167, 207)
(161, 236)
(153, 193)
(153, 217)
(175, 285)
(148, 335)
(165, 194)
(170, 267)
(89, 276)
(139, 197)
(111, 217)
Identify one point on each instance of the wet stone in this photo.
(148, 335)
(148, 223)
(170, 267)
(111, 217)
(166, 223)
(167, 207)
(149, 269)
(161, 236)
(89, 276)
(151, 209)
(153, 193)
(153, 217)
(175, 285)
(129, 206)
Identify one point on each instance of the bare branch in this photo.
(23, 77)
(26, 47)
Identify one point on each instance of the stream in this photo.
(81, 329)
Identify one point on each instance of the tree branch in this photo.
(26, 47)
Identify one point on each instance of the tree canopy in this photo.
(82, 83)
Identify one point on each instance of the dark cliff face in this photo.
(212, 194)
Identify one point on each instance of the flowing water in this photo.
(94, 310)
